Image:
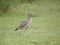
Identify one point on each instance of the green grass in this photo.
(45, 29)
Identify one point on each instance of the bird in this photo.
(26, 23)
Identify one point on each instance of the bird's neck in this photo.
(29, 18)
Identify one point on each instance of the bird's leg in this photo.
(26, 28)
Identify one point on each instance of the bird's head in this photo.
(31, 15)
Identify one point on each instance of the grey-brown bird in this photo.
(26, 23)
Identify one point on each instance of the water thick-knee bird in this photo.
(26, 23)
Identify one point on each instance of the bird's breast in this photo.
(29, 22)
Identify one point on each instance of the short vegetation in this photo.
(45, 29)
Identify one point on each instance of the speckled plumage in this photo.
(26, 23)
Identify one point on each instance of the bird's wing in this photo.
(24, 23)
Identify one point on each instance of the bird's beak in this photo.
(34, 16)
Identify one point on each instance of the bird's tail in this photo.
(16, 29)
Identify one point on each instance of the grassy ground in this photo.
(45, 29)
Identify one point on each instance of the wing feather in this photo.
(24, 23)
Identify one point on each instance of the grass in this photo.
(45, 29)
